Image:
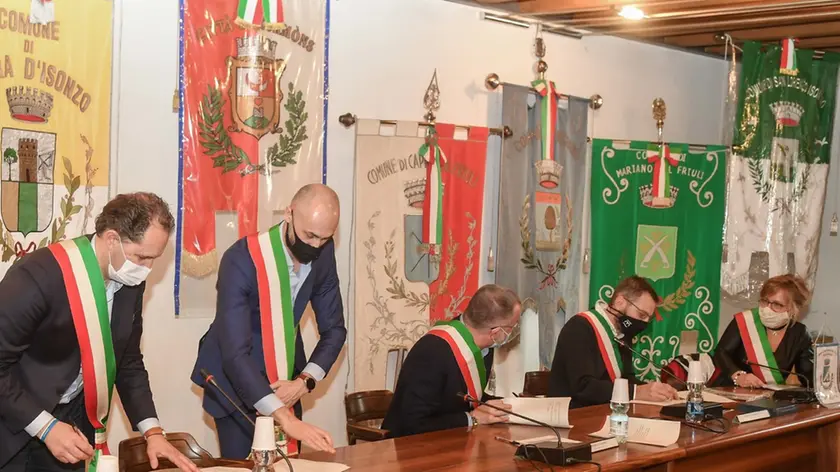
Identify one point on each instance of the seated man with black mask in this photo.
(592, 349)
(455, 357)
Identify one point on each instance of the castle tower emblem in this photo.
(255, 93)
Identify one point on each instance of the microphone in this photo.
(793, 394)
(210, 380)
(550, 453)
(670, 374)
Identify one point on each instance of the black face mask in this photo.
(303, 252)
(630, 327)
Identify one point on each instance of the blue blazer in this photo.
(232, 349)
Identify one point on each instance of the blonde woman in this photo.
(760, 342)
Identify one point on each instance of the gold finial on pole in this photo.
(659, 113)
(431, 100)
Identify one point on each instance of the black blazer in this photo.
(426, 395)
(578, 370)
(794, 351)
(39, 352)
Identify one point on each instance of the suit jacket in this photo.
(39, 351)
(426, 396)
(578, 370)
(232, 349)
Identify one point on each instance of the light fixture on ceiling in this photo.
(631, 12)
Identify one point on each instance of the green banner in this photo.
(778, 172)
(658, 213)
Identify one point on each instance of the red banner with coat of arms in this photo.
(252, 108)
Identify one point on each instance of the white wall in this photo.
(382, 56)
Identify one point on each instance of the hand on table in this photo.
(289, 391)
(656, 391)
(749, 380)
(312, 436)
(157, 447)
(68, 444)
(487, 415)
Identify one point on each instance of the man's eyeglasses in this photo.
(513, 330)
(645, 315)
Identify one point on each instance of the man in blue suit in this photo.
(254, 349)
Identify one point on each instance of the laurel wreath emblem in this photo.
(215, 140)
(677, 299)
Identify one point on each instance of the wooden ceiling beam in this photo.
(810, 30)
(671, 28)
(712, 10)
(826, 43)
(542, 7)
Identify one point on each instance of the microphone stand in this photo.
(208, 378)
(552, 454)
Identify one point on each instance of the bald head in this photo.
(314, 214)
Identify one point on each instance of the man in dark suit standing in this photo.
(70, 327)
(454, 357)
(254, 349)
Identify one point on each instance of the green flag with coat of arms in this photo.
(657, 212)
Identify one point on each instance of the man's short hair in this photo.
(634, 287)
(131, 214)
(490, 306)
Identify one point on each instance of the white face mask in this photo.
(509, 336)
(130, 274)
(771, 319)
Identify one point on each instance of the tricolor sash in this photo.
(433, 204)
(605, 334)
(788, 63)
(660, 156)
(548, 114)
(277, 318)
(272, 11)
(85, 288)
(757, 347)
(468, 355)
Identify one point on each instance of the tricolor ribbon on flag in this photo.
(788, 62)
(548, 115)
(661, 157)
(433, 206)
(272, 11)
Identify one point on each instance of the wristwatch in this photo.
(154, 432)
(474, 421)
(308, 381)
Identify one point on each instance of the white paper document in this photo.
(778, 388)
(546, 438)
(553, 411)
(707, 397)
(646, 431)
(300, 465)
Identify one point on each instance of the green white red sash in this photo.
(788, 62)
(757, 347)
(85, 288)
(277, 318)
(660, 157)
(272, 11)
(433, 203)
(548, 116)
(468, 355)
(605, 334)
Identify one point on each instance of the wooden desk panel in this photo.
(807, 440)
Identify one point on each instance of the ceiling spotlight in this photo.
(631, 12)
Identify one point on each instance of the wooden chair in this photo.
(133, 457)
(536, 383)
(365, 412)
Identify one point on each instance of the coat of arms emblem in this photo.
(255, 92)
(27, 180)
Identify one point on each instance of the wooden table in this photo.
(806, 440)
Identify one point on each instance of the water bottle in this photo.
(619, 406)
(694, 402)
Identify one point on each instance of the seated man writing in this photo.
(593, 349)
(453, 358)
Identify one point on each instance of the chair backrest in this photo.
(536, 383)
(393, 366)
(369, 405)
(133, 457)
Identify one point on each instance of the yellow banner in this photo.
(55, 76)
